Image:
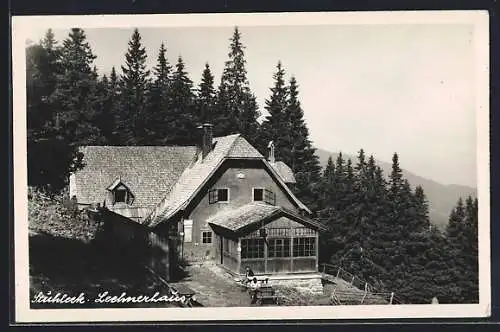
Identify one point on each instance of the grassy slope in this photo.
(66, 256)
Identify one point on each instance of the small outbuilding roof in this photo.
(236, 220)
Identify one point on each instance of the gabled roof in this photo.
(149, 172)
(236, 220)
(195, 176)
(284, 171)
(116, 184)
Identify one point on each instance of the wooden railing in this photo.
(365, 290)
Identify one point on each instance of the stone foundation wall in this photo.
(305, 285)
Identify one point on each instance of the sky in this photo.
(389, 88)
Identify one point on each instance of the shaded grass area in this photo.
(71, 266)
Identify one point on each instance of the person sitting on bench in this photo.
(254, 286)
(248, 275)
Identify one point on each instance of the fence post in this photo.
(392, 297)
(364, 295)
(324, 267)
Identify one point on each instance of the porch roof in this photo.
(236, 220)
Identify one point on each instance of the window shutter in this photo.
(131, 198)
(212, 196)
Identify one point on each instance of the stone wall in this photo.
(305, 285)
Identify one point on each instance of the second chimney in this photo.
(207, 139)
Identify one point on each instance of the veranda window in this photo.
(252, 248)
(304, 247)
(278, 248)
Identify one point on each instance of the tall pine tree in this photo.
(237, 109)
(181, 116)
(305, 162)
(132, 118)
(159, 103)
(206, 97)
(276, 126)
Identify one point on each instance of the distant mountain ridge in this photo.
(442, 198)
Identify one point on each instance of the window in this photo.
(304, 247)
(120, 196)
(206, 237)
(303, 231)
(264, 195)
(278, 248)
(258, 194)
(218, 195)
(278, 232)
(252, 248)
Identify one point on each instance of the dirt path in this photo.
(213, 289)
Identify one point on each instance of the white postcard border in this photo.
(22, 24)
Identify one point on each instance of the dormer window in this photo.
(120, 193)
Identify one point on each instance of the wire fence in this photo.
(366, 289)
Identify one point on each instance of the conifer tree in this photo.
(206, 97)
(105, 119)
(305, 162)
(49, 159)
(421, 204)
(328, 185)
(276, 126)
(134, 82)
(75, 95)
(159, 99)
(181, 116)
(74, 107)
(236, 109)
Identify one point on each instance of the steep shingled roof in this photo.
(193, 178)
(148, 171)
(246, 215)
(284, 171)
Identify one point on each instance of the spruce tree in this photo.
(75, 96)
(73, 104)
(328, 185)
(49, 159)
(206, 97)
(134, 82)
(158, 105)
(421, 204)
(181, 116)
(276, 126)
(305, 162)
(236, 109)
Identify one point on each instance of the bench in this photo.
(263, 293)
(188, 293)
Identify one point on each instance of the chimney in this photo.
(207, 139)
(270, 146)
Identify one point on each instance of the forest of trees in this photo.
(379, 225)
